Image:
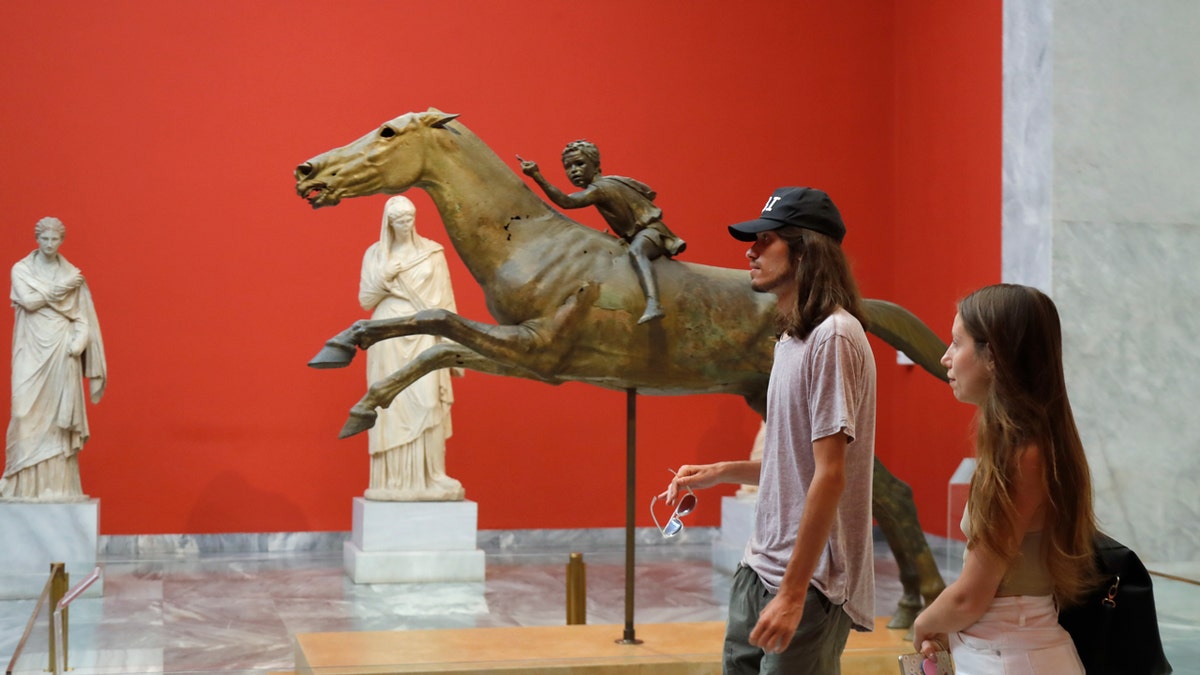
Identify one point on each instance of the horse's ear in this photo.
(442, 119)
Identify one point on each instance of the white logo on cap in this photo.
(770, 203)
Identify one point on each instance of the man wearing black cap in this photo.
(807, 576)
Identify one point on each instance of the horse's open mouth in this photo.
(316, 195)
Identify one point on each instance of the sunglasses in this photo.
(674, 525)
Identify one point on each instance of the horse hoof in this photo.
(904, 617)
(332, 355)
(358, 422)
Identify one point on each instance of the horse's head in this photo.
(388, 160)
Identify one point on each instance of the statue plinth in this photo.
(35, 534)
(405, 542)
(737, 524)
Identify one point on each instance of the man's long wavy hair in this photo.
(823, 279)
(1017, 329)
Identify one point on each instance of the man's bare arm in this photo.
(697, 476)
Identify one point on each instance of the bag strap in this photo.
(1111, 599)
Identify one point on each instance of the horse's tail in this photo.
(902, 329)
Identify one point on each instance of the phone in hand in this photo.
(916, 664)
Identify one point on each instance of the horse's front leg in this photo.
(445, 355)
(537, 345)
(340, 349)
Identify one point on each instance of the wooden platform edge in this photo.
(666, 649)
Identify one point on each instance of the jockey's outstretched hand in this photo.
(527, 167)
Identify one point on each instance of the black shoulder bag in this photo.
(1115, 628)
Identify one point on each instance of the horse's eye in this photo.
(387, 132)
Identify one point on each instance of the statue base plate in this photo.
(407, 542)
(35, 534)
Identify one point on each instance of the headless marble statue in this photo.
(402, 274)
(56, 344)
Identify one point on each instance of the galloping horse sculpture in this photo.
(567, 302)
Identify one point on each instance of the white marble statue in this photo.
(402, 274)
(56, 344)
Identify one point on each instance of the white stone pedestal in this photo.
(399, 542)
(35, 534)
(737, 522)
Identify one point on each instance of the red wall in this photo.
(945, 236)
(164, 135)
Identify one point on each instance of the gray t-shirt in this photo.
(820, 386)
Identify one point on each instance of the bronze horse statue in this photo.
(566, 302)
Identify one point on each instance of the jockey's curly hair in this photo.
(585, 148)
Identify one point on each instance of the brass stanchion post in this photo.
(576, 590)
(59, 585)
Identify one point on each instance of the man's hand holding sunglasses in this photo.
(700, 476)
(679, 493)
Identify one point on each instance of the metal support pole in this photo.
(630, 483)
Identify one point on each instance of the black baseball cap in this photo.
(805, 207)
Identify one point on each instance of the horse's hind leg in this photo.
(445, 355)
(896, 513)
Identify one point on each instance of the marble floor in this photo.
(220, 608)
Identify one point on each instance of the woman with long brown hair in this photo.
(1029, 520)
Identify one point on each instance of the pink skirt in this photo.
(1019, 635)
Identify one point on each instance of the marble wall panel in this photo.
(1127, 296)
(1125, 244)
(1108, 221)
(648, 541)
(1126, 95)
(1028, 154)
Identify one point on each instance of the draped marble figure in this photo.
(404, 273)
(56, 344)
